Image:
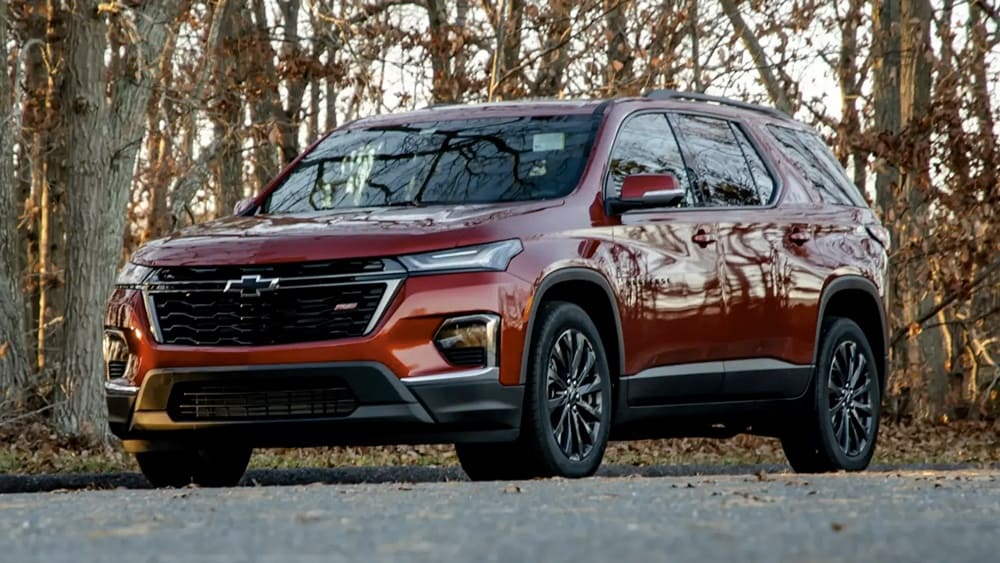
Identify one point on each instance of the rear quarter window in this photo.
(813, 158)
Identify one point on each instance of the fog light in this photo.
(469, 340)
(118, 360)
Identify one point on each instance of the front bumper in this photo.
(452, 407)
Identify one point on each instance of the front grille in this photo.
(239, 306)
(269, 400)
(282, 316)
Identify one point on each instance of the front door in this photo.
(668, 262)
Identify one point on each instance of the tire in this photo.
(205, 467)
(563, 391)
(840, 430)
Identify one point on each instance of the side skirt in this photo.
(750, 396)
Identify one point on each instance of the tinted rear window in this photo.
(811, 155)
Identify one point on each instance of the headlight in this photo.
(494, 256)
(132, 275)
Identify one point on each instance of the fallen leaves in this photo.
(31, 447)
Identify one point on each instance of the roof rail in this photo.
(698, 97)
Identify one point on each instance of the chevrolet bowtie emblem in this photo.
(251, 285)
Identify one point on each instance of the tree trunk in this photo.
(295, 82)
(102, 139)
(694, 30)
(51, 186)
(229, 119)
(14, 360)
(925, 354)
(266, 112)
(443, 87)
(159, 148)
(552, 69)
(32, 22)
(850, 92)
(886, 124)
(618, 76)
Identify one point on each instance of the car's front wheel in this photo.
(567, 415)
(841, 428)
(207, 467)
(567, 405)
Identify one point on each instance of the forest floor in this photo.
(32, 448)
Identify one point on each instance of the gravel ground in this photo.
(688, 513)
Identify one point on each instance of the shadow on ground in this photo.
(394, 474)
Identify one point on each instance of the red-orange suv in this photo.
(525, 280)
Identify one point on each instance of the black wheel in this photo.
(206, 467)
(841, 429)
(567, 414)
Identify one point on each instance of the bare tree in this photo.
(14, 363)
(103, 134)
(769, 74)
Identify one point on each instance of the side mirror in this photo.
(648, 190)
(242, 206)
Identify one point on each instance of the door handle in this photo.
(702, 239)
(799, 237)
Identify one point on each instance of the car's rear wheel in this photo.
(206, 467)
(841, 429)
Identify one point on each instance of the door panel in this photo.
(673, 300)
(750, 289)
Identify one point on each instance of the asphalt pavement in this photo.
(687, 513)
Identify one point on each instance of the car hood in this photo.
(384, 231)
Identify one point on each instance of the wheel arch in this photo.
(856, 298)
(592, 292)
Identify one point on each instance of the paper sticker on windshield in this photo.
(542, 142)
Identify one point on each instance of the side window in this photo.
(812, 157)
(645, 145)
(721, 176)
(758, 170)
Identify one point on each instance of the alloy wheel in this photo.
(851, 395)
(574, 390)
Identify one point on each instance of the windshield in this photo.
(440, 162)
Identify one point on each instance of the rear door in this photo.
(733, 180)
(668, 264)
(835, 235)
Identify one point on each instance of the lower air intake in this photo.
(272, 400)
